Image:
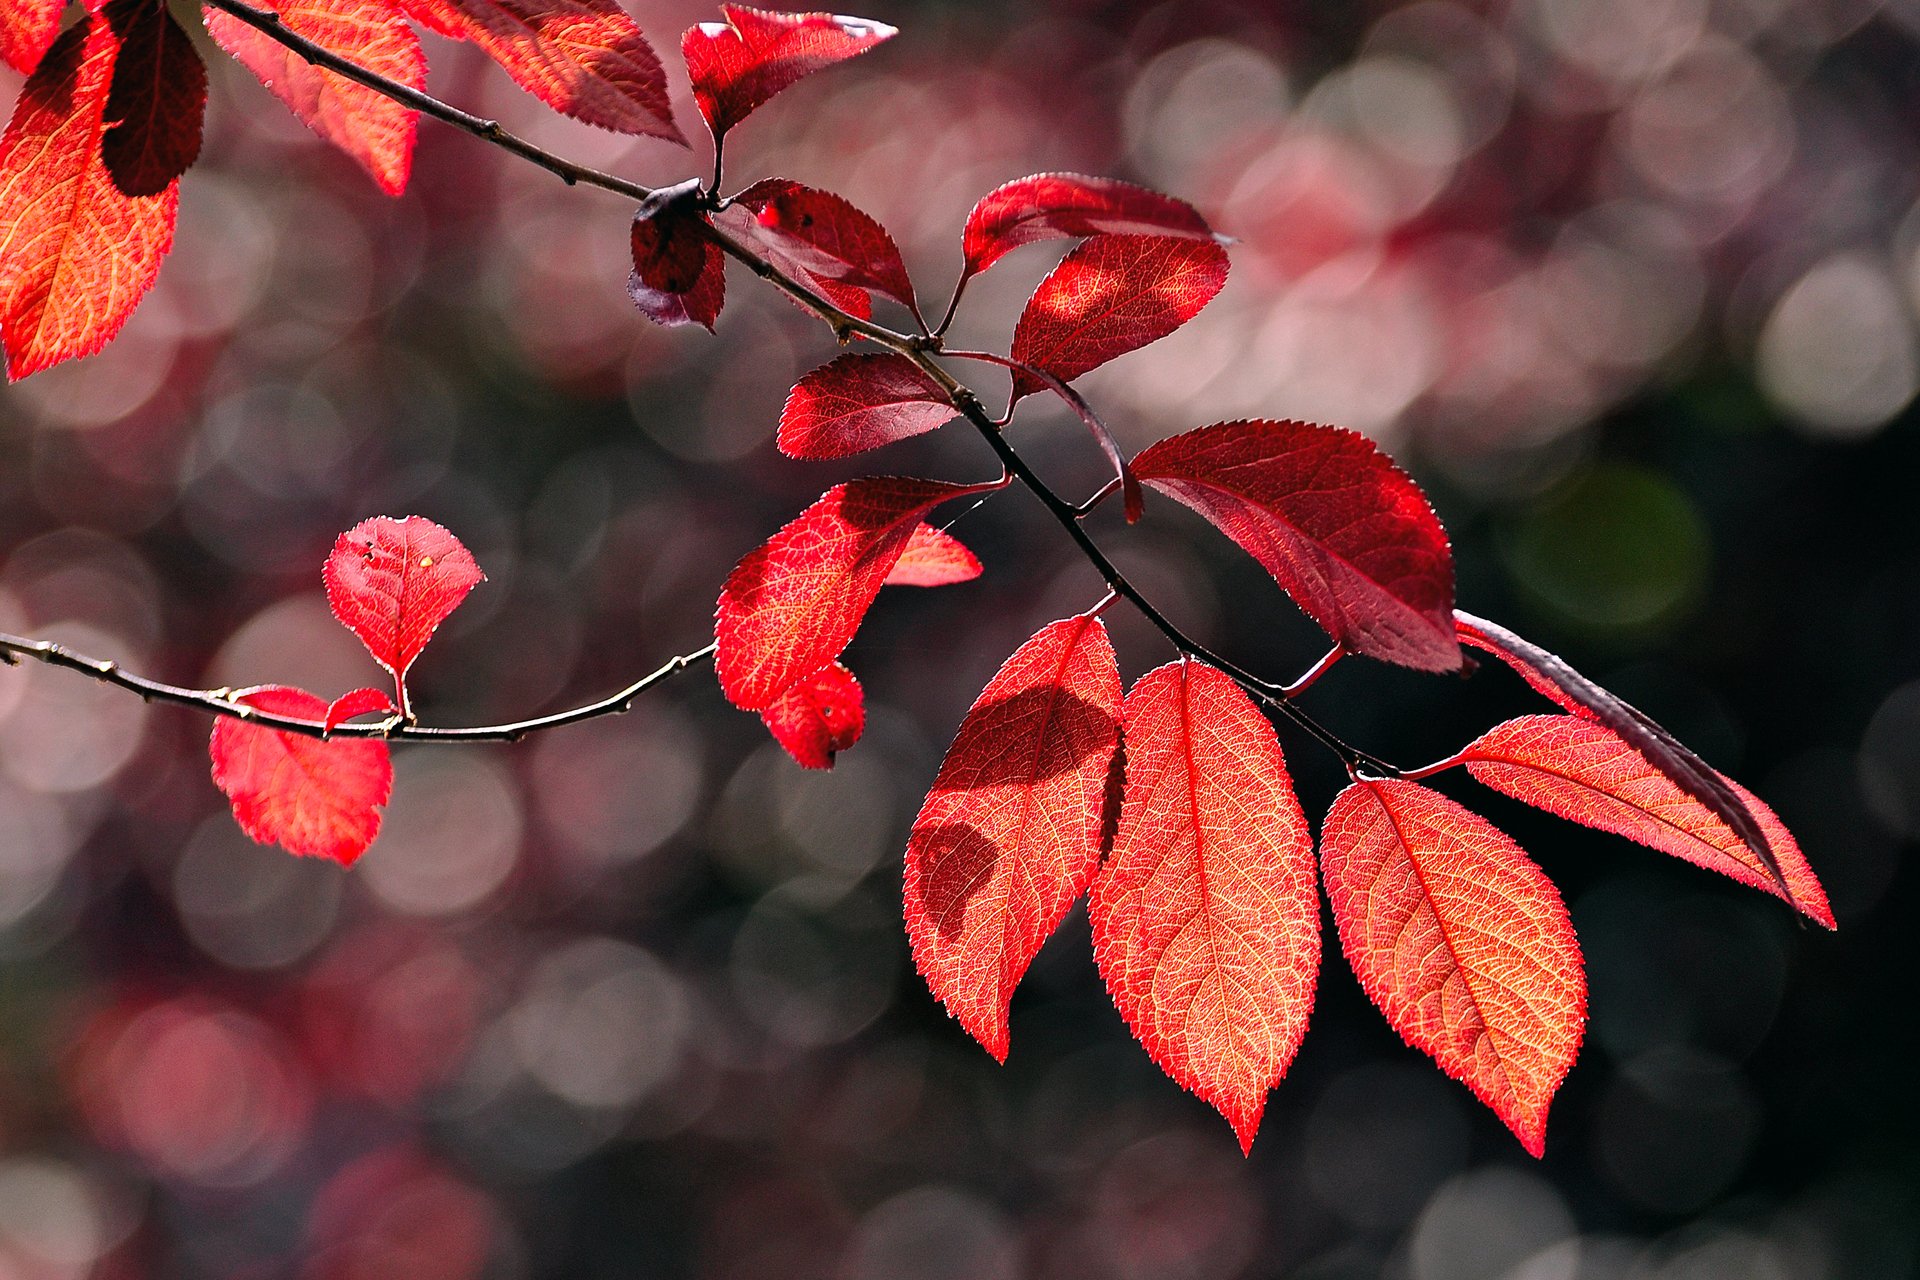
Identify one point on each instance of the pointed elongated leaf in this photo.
(359, 702)
(583, 58)
(1112, 295)
(1461, 941)
(1010, 834)
(1345, 532)
(819, 717)
(737, 65)
(1206, 925)
(826, 236)
(1587, 773)
(76, 253)
(860, 402)
(318, 799)
(1055, 206)
(27, 29)
(377, 132)
(793, 603)
(679, 274)
(1552, 677)
(933, 558)
(157, 102)
(392, 582)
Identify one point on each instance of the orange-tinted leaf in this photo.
(822, 715)
(76, 254)
(1461, 942)
(860, 402)
(1055, 206)
(933, 558)
(360, 702)
(1345, 532)
(370, 127)
(1585, 772)
(737, 65)
(1205, 921)
(157, 101)
(584, 58)
(825, 236)
(1010, 834)
(1112, 295)
(27, 29)
(318, 799)
(679, 274)
(392, 582)
(793, 603)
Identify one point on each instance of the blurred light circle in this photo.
(1622, 41)
(68, 733)
(1890, 762)
(99, 391)
(1627, 282)
(601, 1023)
(295, 641)
(52, 1219)
(815, 977)
(1193, 99)
(934, 1233)
(1715, 129)
(450, 837)
(1838, 353)
(1675, 1129)
(251, 906)
(1379, 1140)
(1408, 110)
(37, 837)
(843, 820)
(1475, 59)
(617, 788)
(1489, 1224)
(1173, 1206)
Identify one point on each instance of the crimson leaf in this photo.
(1053, 206)
(739, 64)
(392, 582)
(860, 402)
(318, 799)
(157, 101)
(818, 717)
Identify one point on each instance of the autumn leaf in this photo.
(1010, 834)
(933, 558)
(373, 129)
(1112, 295)
(679, 274)
(860, 402)
(157, 101)
(1343, 531)
(793, 603)
(819, 717)
(824, 236)
(739, 64)
(76, 253)
(27, 29)
(1054, 206)
(392, 582)
(1461, 941)
(1206, 925)
(317, 799)
(1587, 773)
(359, 702)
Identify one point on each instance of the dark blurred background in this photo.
(1630, 286)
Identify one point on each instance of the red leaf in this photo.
(76, 254)
(1345, 532)
(1054, 206)
(860, 402)
(1551, 676)
(1112, 295)
(818, 717)
(27, 29)
(1206, 925)
(358, 703)
(737, 65)
(391, 582)
(1461, 942)
(794, 603)
(933, 558)
(318, 799)
(157, 100)
(679, 274)
(1010, 834)
(584, 58)
(374, 130)
(1587, 773)
(825, 236)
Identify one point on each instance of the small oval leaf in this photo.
(737, 65)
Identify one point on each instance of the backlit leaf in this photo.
(318, 799)
(1112, 295)
(360, 702)
(1585, 772)
(818, 717)
(1461, 941)
(392, 582)
(1206, 925)
(27, 29)
(157, 101)
(374, 130)
(679, 274)
(793, 603)
(737, 65)
(76, 254)
(1010, 834)
(825, 236)
(860, 402)
(1054, 206)
(933, 558)
(1345, 532)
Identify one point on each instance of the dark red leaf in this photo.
(679, 273)
(933, 558)
(360, 702)
(157, 100)
(794, 602)
(1345, 532)
(825, 236)
(737, 65)
(822, 715)
(860, 402)
(392, 582)
(27, 29)
(1583, 771)
(1461, 942)
(1206, 924)
(1112, 295)
(1010, 834)
(318, 799)
(1054, 206)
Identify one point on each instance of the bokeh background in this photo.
(1631, 286)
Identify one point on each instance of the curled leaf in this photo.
(819, 717)
(679, 274)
